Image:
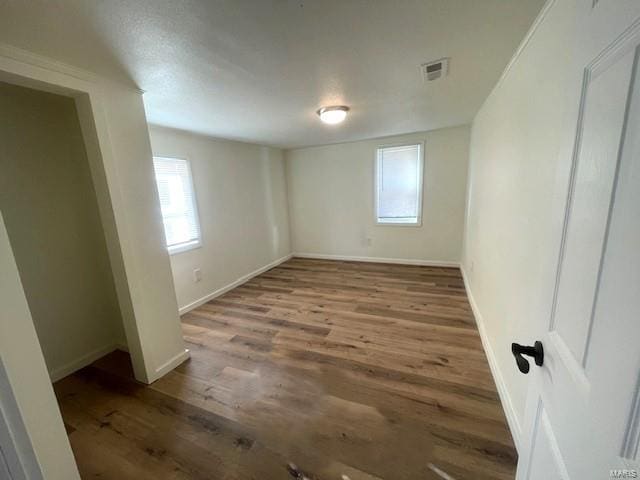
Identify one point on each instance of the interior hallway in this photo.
(341, 368)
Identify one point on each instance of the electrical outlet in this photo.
(369, 241)
(472, 266)
(197, 275)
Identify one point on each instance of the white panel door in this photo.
(4, 467)
(17, 458)
(10, 465)
(583, 410)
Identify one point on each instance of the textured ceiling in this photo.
(258, 70)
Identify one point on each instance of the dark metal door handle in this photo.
(537, 352)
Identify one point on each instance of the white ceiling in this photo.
(257, 70)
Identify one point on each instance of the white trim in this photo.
(172, 363)
(401, 261)
(232, 285)
(383, 221)
(39, 61)
(75, 365)
(390, 223)
(503, 392)
(525, 41)
(184, 247)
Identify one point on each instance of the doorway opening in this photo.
(50, 209)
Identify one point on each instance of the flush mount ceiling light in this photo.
(333, 115)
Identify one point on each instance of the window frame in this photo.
(376, 184)
(193, 244)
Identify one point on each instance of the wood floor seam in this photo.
(373, 371)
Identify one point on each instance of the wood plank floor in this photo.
(348, 370)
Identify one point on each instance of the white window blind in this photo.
(178, 203)
(399, 184)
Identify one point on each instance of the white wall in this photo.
(242, 206)
(331, 200)
(51, 214)
(155, 324)
(519, 159)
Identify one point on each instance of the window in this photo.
(178, 203)
(399, 185)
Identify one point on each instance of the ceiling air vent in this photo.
(434, 70)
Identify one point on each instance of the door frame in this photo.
(45, 448)
(25, 69)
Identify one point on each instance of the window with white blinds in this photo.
(399, 184)
(178, 203)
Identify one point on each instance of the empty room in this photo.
(320, 239)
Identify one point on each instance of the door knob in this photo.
(537, 352)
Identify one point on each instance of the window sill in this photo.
(184, 247)
(385, 223)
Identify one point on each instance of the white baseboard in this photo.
(67, 369)
(503, 392)
(402, 261)
(231, 286)
(170, 364)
